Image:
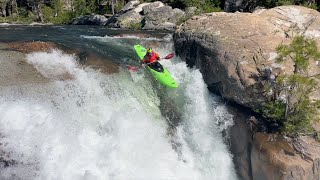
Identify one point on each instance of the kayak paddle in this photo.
(169, 56)
(133, 68)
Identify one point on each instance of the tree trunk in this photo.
(9, 9)
(4, 8)
(4, 12)
(39, 12)
(14, 6)
(112, 6)
(72, 6)
(287, 107)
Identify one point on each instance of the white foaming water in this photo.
(203, 120)
(98, 126)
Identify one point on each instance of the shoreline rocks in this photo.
(89, 20)
(147, 16)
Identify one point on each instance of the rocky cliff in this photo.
(236, 54)
(236, 51)
(265, 156)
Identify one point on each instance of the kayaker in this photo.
(152, 58)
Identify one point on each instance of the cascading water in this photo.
(84, 124)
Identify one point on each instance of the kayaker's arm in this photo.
(145, 59)
(157, 56)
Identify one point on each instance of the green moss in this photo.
(63, 18)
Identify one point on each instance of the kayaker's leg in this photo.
(159, 67)
(153, 65)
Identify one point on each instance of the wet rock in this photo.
(15, 70)
(101, 64)
(34, 46)
(89, 20)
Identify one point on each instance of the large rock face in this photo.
(234, 50)
(89, 20)
(129, 19)
(130, 5)
(148, 16)
(152, 6)
(266, 156)
(273, 157)
(162, 18)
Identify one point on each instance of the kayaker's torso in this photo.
(151, 57)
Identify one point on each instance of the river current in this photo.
(117, 126)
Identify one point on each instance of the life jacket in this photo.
(150, 59)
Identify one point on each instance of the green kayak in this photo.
(160, 73)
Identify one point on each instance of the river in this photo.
(116, 126)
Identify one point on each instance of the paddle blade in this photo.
(133, 68)
(169, 56)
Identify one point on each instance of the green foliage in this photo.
(136, 26)
(57, 5)
(292, 106)
(299, 51)
(48, 14)
(23, 12)
(274, 3)
(311, 5)
(16, 19)
(80, 8)
(301, 112)
(274, 111)
(207, 8)
(204, 6)
(63, 18)
(284, 2)
(301, 119)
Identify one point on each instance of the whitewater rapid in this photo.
(84, 124)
